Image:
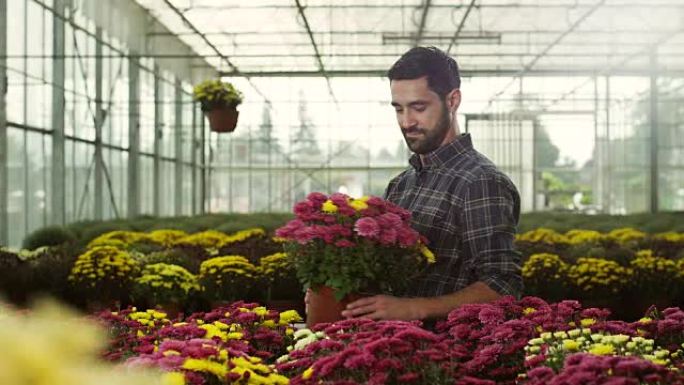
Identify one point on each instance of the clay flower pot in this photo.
(323, 307)
(223, 119)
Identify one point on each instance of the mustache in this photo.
(413, 130)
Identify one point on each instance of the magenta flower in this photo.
(367, 227)
(304, 208)
(388, 237)
(317, 199)
(344, 243)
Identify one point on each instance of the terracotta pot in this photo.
(223, 119)
(323, 307)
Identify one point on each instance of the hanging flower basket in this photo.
(223, 119)
(219, 102)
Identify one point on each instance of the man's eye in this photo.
(419, 108)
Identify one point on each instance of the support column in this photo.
(158, 126)
(654, 131)
(608, 168)
(193, 157)
(598, 161)
(4, 179)
(535, 177)
(133, 136)
(178, 130)
(57, 176)
(203, 163)
(99, 122)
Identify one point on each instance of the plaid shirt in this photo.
(468, 210)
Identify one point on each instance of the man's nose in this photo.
(406, 120)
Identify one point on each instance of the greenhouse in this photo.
(199, 174)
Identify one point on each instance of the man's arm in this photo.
(387, 307)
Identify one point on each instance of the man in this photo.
(459, 200)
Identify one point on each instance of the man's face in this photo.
(422, 115)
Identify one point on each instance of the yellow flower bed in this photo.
(227, 277)
(274, 265)
(207, 239)
(103, 263)
(544, 264)
(594, 274)
(577, 236)
(243, 235)
(542, 235)
(51, 346)
(166, 238)
(164, 283)
(669, 236)
(119, 239)
(560, 344)
(626, 235)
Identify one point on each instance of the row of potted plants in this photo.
(620, 244)
(627, 288)
(527, 341)
(164, 267)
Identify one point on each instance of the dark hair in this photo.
(441, 70)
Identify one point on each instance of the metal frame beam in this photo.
(611, 69)
(193, 156)
(460, 26)
(158, 129)
(204, 191)
(4, 178)
(99, 121)
(470, 73)
(387, 54)
(178, 145)
(438, 33)
(225, 58)
(57, 176)
(423, 20)
(571, 4)
(321, 66)
(654, 133)
(133, 137)
(554, 43)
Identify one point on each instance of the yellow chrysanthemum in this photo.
(602, 349)
(307, 373)
(427, 253)
(358, 204)
(329, 207)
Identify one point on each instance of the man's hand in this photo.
(385, 307)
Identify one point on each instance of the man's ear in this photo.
(453, 99)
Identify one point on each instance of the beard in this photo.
(431, 139)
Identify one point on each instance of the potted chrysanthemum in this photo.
(104, 274)
(226, 278)
(343, 248)
(165, 285)
(219, 101)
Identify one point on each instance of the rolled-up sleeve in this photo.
(491, 210)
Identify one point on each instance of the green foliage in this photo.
(173, 257)
(162, 283)
(360, 270)
(562, 222)
(48, 236)
(214, 93)
(100, 228)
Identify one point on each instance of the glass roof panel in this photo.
(485, 36)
